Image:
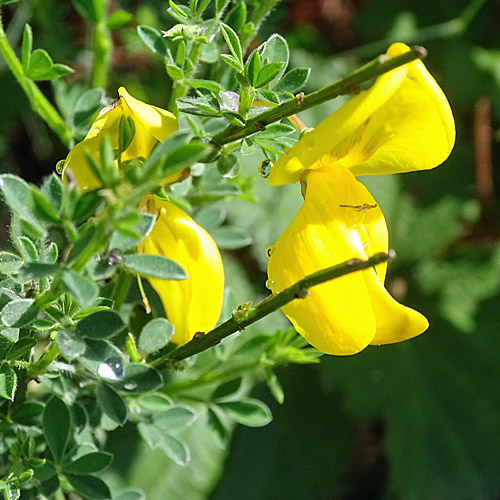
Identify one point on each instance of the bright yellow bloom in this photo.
(402, 123)
(339, 220)
(152, 125)
(192, 305)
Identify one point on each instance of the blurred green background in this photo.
(414, 421)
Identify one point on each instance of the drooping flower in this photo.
(402, 123)
(152, 125)
(339, 220)
(191, 305)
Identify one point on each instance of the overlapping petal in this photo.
(152, 125)
(339, 220)
(192, 305)
(402, 123)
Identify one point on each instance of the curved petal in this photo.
(395, 322)
(152, 124)
(338, 221)
(402, 123)
(192, 305)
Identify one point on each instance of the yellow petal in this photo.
(338, 221)
(192, 305)
(402, 123)
(330, 228)
(152, 124)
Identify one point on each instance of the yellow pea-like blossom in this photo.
(402, 123)
(152, 125)
(191, 305)
(338, 221)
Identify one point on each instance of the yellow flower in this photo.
(152, 125)
(339, 220)
(402, 123)
(193, 305)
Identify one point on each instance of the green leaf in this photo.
(118, 18)
(86, 205)
(100, 325)
(87, 106)
(85, 241)
(174, 72)
(18, 197)
(70, 344)
(40, 64)
(111, 404)
(175, 418)
(249, 412)
(139, 378)
(217, 426)
(56, 424)
(231, 238)
(27, 249)
(43, 208)
(227, 389)
(267, 73)
(101, 355)
(268, 96)
(81, 288)
(130, 495)
(36, 270)
(124, 243)
(232, 61)
(52, 189)
(252, 68)
(237, 16)
(90, 463)
(154, 266)
(126, 132)
(19, 313)
(275, 50)
(28, 413)
(228, 166)
(274, 386)
(9, 263)
(204, 84)
(172, 447)
(211, 216)
(154, 402)
(6, 2)
(233, 43)
(154, 40)
(5, 344)
(20, 348)
(155, 335)
(89, 9)
(27, 46)
(89, 486)
(293, 81)
(8, 381)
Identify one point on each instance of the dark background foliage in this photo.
(411, 421)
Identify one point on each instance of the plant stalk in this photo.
(246, 315)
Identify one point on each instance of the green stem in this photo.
(102, 46)
(247, 315)
(211, 377)
(120, 290)
(38, 101)
(346, 85)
